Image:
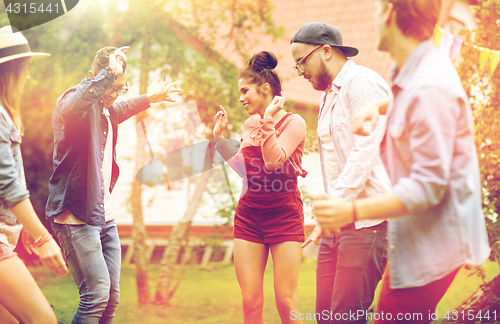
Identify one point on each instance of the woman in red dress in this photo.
(269, 215)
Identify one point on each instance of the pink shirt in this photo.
(268, 155)
(278, 145)
(430, 155)
(362, 173)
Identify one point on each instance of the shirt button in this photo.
(91, 90)
(104, 133)
(102, 205)
(102, 188)
(102, 152)
(375, 231)
(392, 247)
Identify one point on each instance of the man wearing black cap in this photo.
(435, 215)
(350, 263)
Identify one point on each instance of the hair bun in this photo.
(263, 60)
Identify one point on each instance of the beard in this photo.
(323, 79)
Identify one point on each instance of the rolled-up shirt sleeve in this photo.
(431, 120)
(12, 184)
(76, 102)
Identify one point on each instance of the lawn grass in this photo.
(213, 297)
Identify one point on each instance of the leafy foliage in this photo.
(73, 39)
(175, 38)
(72, 42)
(483, 89)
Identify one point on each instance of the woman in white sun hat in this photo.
(20, 298)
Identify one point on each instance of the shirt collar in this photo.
(401, 78)
(341, 78)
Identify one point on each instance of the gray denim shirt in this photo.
(12, 181)
(429, 152)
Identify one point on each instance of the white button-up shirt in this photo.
(360, 172)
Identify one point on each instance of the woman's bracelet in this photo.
(42, 240)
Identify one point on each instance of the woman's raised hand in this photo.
(275, 106)
(220, 123)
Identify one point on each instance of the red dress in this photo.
(270, 207)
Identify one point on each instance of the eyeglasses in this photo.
(298, 66)
(120, 91)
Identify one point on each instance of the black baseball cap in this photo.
(319, 33)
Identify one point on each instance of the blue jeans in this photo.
(93, 255)
(348, 270)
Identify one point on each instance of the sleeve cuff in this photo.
(16, 195)
(101, 82)
(411, 199)
(104, 75)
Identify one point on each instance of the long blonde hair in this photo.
(11, 87)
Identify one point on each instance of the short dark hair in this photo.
(260, 69)
(417, 18)
(101, 60)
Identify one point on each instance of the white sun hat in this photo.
(14, 45)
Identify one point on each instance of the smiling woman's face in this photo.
(250, 96)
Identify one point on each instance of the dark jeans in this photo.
(347, 273)
(93, 255)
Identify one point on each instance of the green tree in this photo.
(483, 89)
(177, 38)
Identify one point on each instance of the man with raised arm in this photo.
(79, 207)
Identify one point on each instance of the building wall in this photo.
(355, 20)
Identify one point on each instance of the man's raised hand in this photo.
(163, 92)
(117, 59)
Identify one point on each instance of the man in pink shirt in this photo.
(350, 263)
(434, 212)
